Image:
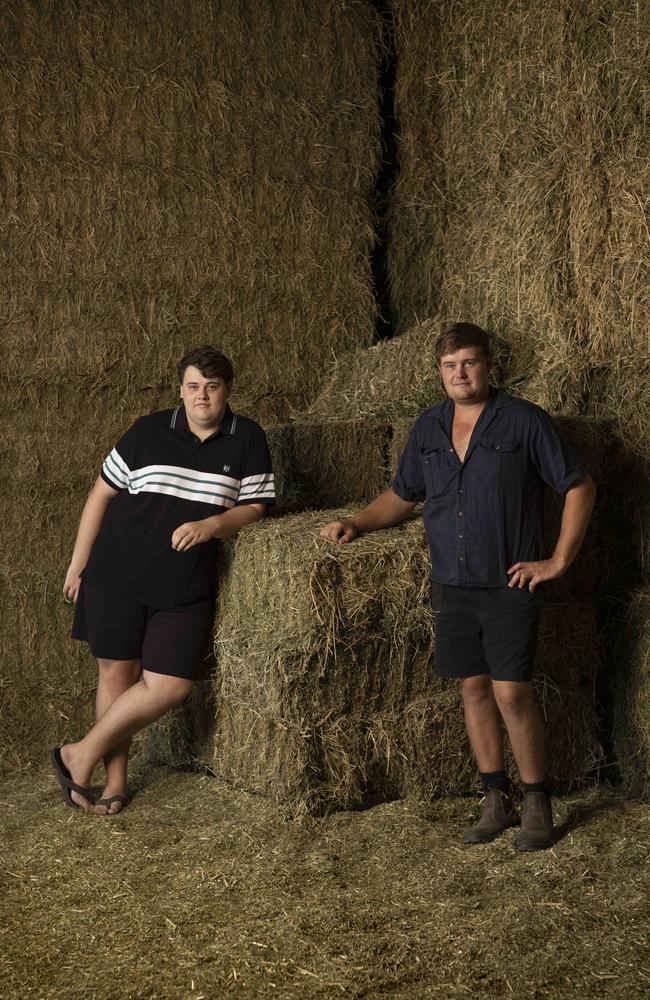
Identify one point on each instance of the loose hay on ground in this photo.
(198, 890)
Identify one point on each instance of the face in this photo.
(205, 399)
(465, 375)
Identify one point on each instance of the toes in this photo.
(80, 801)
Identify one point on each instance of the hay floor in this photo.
(200, 891)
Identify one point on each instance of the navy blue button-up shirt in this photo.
(484, 514)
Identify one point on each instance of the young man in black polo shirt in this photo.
(480, 462)
(143, 569)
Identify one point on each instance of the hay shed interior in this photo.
(317, 188)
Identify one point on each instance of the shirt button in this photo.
(460, 513)
(498, 447)
(460, 536)
(460, 559)
(451, 449)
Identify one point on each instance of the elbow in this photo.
(259, 510)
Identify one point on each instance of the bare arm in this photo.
(89, 524)
(386, 510)
(578, 505)
(218, 526)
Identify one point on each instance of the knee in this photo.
(120, 671)
(168, 690)
(477, 690)
(514, 698)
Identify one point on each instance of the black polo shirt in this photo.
(484, 514)
(167, 476)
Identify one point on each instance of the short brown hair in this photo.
(463, 335)
(210, 362)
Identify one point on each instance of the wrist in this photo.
(214, 523)
(560, 562)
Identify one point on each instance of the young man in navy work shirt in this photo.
(143, 569)
(480, 462)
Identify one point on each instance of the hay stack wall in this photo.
(171, 173)
(522, 191)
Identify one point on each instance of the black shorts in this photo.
(166, 642)
(485, 630)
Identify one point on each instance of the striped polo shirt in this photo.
(166, 476)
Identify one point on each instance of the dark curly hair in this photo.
(210, 362)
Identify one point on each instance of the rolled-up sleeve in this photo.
(551, 454)
(408, 482)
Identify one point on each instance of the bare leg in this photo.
(483, 722)
(135, 708)
(524, 727)
(115, 677)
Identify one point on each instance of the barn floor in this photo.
(198, 890)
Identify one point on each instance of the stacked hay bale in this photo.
(325, 690)
(172, 174)
(522, 194)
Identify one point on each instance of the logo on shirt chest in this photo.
(226, 468)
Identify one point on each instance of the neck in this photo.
(470, 409)
(201, 431)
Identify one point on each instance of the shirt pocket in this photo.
(498, 462)
(440, 468)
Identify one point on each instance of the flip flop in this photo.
(109, 802)
(64, 778)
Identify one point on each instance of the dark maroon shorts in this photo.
(166, 642)
(485, 630)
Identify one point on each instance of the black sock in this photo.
(533, 786)
(495, 779)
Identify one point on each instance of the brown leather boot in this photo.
(498, 814)
(536, 822)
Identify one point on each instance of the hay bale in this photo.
(49, 681)
(630, 683)
(329, 463)
(522, 196)
(393, 379)
(178, 169)
(324, 690)
(478, 226)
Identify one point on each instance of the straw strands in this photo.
(180, 173)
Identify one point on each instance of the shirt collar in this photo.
(497, 400)
(227, 425)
